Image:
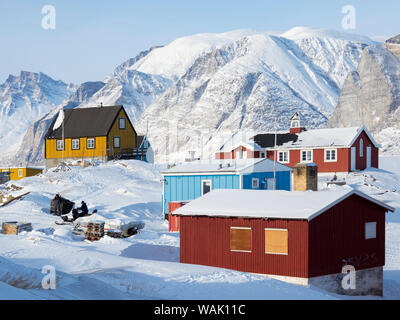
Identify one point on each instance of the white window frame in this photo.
(124, 122)
(330, 150)
(239, 154)
(73, 144)
(58, 145)
(277, 229)
(202, 182)
(301, 155)
(370, 230)
(20, 173)
(257, 185)
(251, 236)
(119, 142)
(361, 148)
(283, 152)
(88, 145)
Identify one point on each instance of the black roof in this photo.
(267, 140)
(85, 122)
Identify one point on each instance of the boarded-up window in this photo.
(241, 239)
(276, 241)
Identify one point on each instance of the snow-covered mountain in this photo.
(23, 99)
(371, 95)
(244, 80)
(205, 85)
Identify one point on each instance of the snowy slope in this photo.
(144, 266)
(23, 99)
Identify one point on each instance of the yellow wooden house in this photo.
(18, 173)
(90, 133)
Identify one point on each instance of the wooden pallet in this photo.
(94, 231)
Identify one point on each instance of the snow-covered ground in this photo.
(146, 265)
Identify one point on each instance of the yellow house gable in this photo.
(122, 134)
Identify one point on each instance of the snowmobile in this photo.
(69, 220)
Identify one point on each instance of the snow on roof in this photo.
(240, 139)
(268, 203)
(228, 165)
(328, 137)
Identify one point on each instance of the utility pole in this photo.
(275, 156)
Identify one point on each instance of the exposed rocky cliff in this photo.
(371, 95)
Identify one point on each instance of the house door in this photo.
(353, 159)
(368, 157)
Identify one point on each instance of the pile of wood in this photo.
(8, 198)
(94, 231)
(14, 227)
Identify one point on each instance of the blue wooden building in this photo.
(189, 181)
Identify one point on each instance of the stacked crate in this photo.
(14, 227)
(94, 231)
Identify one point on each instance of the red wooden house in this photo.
(332, 149)
(298, 237)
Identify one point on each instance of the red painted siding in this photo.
(338, 235)
(296, 130)
(341, 165)
(361, 162)
(174, 221)
(319, 247)
(206, 241)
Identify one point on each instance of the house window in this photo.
(361, 148)
(20, 173)
(240, 239)
(122, 123)
(254, 183)
(283, 156)
(205, 186)
(60, 145)
(117, 142)
(370, 230)
(306, 156)
(239, 154)
(262, 154)
(330, 155)
(276, 241)
(90, 143)
(75, 145)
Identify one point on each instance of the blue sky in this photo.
(92, 37)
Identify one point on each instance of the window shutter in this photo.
(276, 241)
(240, 239)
